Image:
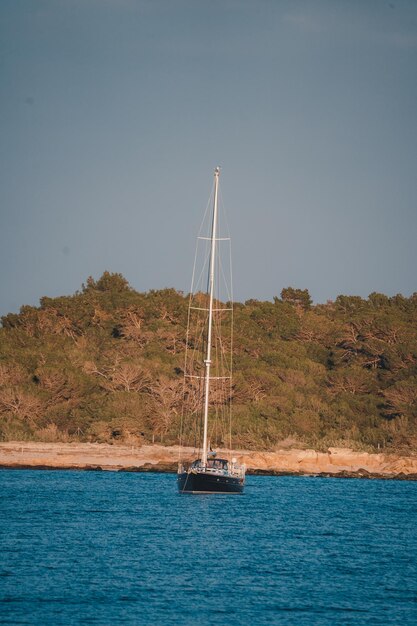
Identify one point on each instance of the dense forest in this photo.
(106, 365)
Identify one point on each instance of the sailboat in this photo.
(208, 389)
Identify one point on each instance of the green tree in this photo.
(297, 297)
(107, 282)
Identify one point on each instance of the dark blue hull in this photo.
(201, 482)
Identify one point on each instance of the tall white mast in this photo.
(207, 360)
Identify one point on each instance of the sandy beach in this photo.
(95, 456)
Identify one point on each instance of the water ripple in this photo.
(118, 548)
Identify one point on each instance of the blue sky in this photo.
(114, 114)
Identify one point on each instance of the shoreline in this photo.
(336, 462)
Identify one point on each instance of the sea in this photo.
(125, 548)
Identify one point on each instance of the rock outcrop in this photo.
(93, 456)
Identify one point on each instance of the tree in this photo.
(352, 380)
(109, 359)
(166, 395)
(20, 403)
(401, 397)
(378, 300)
(120, 375)
(107, 282)
(297, 297)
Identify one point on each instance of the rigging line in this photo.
(224, 213)
(221, 340)
(186, 358)
(187, 349)
(199, 343)
(198, 323)
(220, 399)
(227, 286)
(200, 320)
(199, 286)
(187, 344)
(203, 224)
(231, 350)
(221, 272)
(195, 284)
(224, 395)
(220, 343)
(223, 404)
(214, 387)
(208, 206)
(223, 368)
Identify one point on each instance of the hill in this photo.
(105, 365)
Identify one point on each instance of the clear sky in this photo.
(114, 114)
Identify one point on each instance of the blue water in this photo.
(119, 548)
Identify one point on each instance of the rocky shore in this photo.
(338, 462)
